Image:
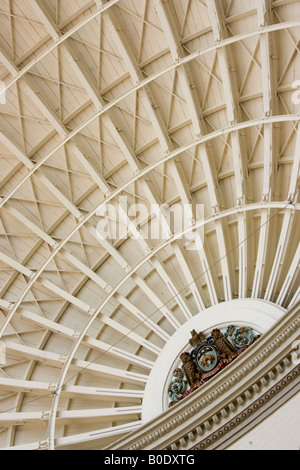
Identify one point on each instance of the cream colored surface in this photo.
(280, 431)
(187, 102)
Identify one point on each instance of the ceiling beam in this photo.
(71, 391)
(58, 328)
(30, 225)
(261, 255)
(243, 256)
(173, 39)
(161, 306)
(269, 87)
(217, 18)
(46, 357)
(86, 163)
(88, 82)
(118, 374)
(114, 431)
(151, 324)
(146, 95)
(239, 37)
(112, 21)
(263, 15)
(106, 394)
(189, 90)
(199, 224)
(15, 149)
(75, 261)
(93, 343)
(294, 267)
(228, 292)
(58, 360)
(4, 304)
(77, 439)
(294, 186)
(36, 98)
(269, 164)
(192, 286)
(76, 302)
(59, 127)
(101, 414)
(91, 275)
(80, 155)
(172, 287)
(120, 298)
(295, 298)
(185, 76)
(104, 242)
(141, 283)
(168, 23)
(72, 334)
(98, 101)
(131, 334)
(160, 269)
(210, 137)
(282, 246)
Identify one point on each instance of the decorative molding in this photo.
(257, 314)
(224, 402)
(243, 418)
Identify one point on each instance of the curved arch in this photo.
(220, 44)
(168, 157)
(123, 280)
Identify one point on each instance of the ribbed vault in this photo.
(149, 104)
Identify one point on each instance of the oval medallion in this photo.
(207, 358)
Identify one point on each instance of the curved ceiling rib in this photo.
(148, 103)
(216, 133)
(108, 245)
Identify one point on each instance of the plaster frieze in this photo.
(254, 411)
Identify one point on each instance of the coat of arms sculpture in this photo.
(208, 356)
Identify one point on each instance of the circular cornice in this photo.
(253, 413)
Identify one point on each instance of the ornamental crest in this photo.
(240, 337)
(208, 357)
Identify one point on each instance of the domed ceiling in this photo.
(113, 114)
